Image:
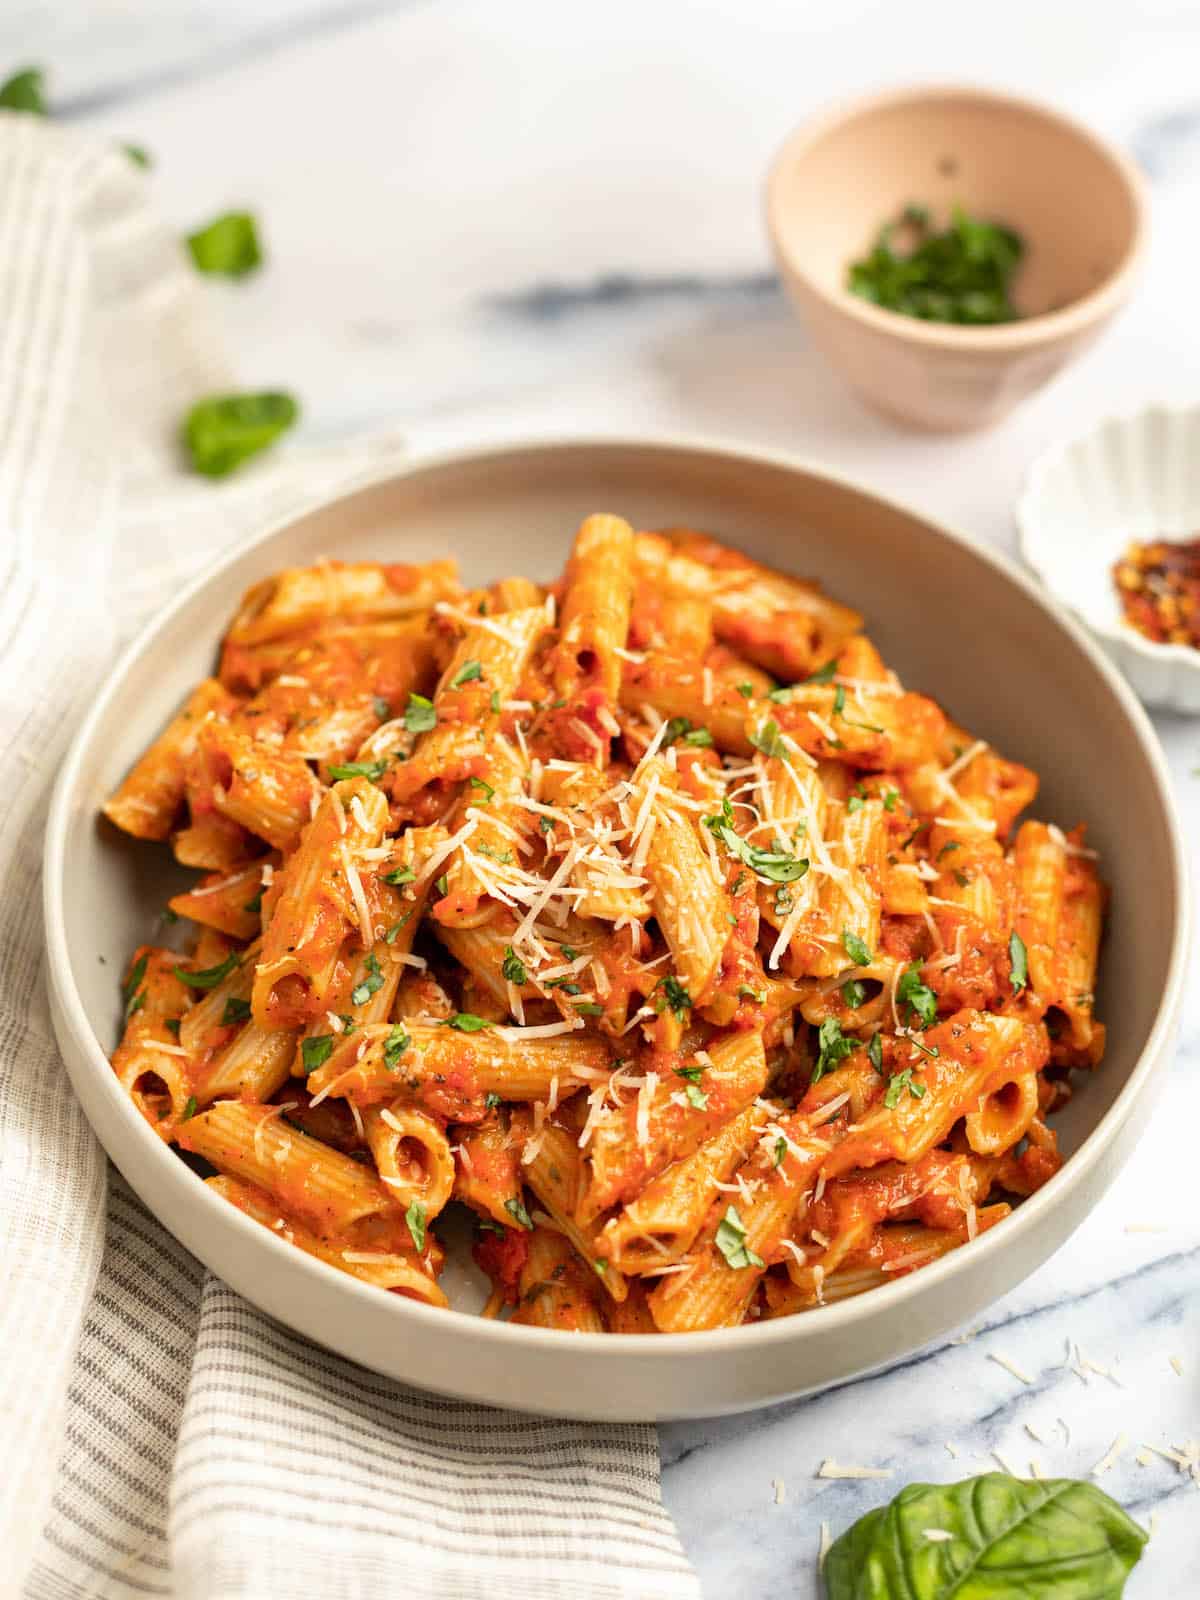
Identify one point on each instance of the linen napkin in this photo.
(161, 1436)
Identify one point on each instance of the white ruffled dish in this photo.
(1135, 477)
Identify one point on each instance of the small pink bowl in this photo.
(1079, 206)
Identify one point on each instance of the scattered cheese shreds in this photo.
(1111, 1456)
(825, 1546)
(780, 1490)
(830, 1468)
(1177, 1364)
(1009, 1366)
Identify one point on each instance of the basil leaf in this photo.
(228, 247)
(854, 994)
(478, 783)
(674, 996)
(415, 1217)
(469, 672)
(834, 1048)
(1019, 957)
(696, 1097)
(875, 1052)
(692, 1074)
(316, 1051)
(466, 1022)
(25, 91)
(855, 803)
(856, 948)
(890, 796)
(731, 1242)
(399, 875)
(419, 714)
(746, 690)
(133, 982)
(222, 431)
(512, 966)
(897, 1085)
(235, 1011)
(1045, 1539)
(776, 866)
(699, 739)
(588, 1008)
(358, 769)
(917, 996)
(394, 1046)
(210, 977)
(189, 1109)
(519, 1214)
(769, 740)
(823, 674)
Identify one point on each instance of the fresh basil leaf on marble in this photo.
(227, 247)
(25, 91)
(1009, 1539)
(222, 431)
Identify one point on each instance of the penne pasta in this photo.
(645, 913)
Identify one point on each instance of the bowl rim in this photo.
(494, 1334)
(1033, 527)
(1025, 332)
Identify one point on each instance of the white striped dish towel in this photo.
(161, 1436)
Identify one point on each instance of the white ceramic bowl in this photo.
(956, 620)
(1135, 477)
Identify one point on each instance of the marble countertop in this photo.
(489, 220)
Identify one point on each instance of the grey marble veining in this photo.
(496, 219)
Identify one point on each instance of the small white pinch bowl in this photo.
(956, 620)
(1129, 478)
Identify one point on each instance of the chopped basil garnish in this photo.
(494, 701)
(1019, 957)
(491, 1100)
(133, 982)
(513, 967)
(466, 1022)
(316, 1051)
(696, 1096)
(519, 1214)
(890, 797)
(767, 738)
(834, 1047)
(896, 1086)
(228, 246)
(235, 1011)
(419, 714)
(588, 1008)
(825, 674)
(222, 431)
(189, 1109)
(415, 1217)
(746, 690)
(674, 996)
(488, 790)
(469, 672)
(374, 770)
(855, 803)
(781, 1149)
(254, 905)
(381, 708)
(731, 1242)
(875, 1052)
(856, 948)
(371, 984)
(25, 91)
(699, 739)
(917, 996)
(210, 977)
(399, 875)
(394, 1046)
(172, 1025)
(776, 866)
(443, 886)
(854, 994)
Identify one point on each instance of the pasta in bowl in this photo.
(646, 915)
(959, 625)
